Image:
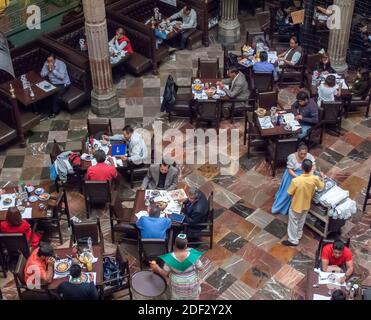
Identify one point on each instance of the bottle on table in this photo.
(352, 293)
(90, 244)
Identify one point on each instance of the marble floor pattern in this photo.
(247, 260)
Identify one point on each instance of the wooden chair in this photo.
(239, 111)
(119, 287)
(84, 230)
(332, 114)
(208, 69)
(180, 107)
(358, 102)
(207, 228)
(367, 195)
(99, 126)
(293, 75)
(120, 217)
(279, 150)
(321, 244)
(267, 99)
(262, 81)
(251, 37)
(312, 61)
(151, 249)
(60, 212)
(11, 245)
(208, 111)
(24, 293)
(71, 178)
(96, 192)
(253, 137)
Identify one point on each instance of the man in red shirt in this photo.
(101, 171)
(337, 255)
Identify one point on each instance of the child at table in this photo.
(15, 224)
(327, 90)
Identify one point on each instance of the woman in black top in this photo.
(361, 86)
(76, 289)
(325, 65)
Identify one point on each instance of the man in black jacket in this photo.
(195, 210)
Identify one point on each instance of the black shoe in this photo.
(288, 243)
(53, 115)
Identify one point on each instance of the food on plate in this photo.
(7, 201)
(260, 112)
(44, 196)
(62, 267)
(197, 87)
(210, 92)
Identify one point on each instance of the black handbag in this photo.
(111, 271)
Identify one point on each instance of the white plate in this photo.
(39, 191)
(59, 262)
(197, 81)
(33, 199)
(46, 199)
(221, 93)
(216, 96)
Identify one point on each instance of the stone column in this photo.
(339, 38)
(229, 26)
(103, 96)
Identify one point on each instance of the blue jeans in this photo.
(304, 130)
(160, 37)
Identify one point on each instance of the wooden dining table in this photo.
(212, 83)
(139, 205)
(278, 130)
(345, 93)
(86, 164)
(313, 287)
(97, 266)
(23, 95)
(37, 212)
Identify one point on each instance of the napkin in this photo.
(27, 213)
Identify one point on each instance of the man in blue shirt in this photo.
(56, 71)
(264, 65)
(153, 227)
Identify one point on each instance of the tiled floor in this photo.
(247, 260)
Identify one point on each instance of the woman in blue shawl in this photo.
(282, 200)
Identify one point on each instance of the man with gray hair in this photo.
(195, 209)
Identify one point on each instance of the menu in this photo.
(45, 86)
(266, 123)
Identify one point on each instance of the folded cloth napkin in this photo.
(333, 197)
(329, 184)
(344, 210)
